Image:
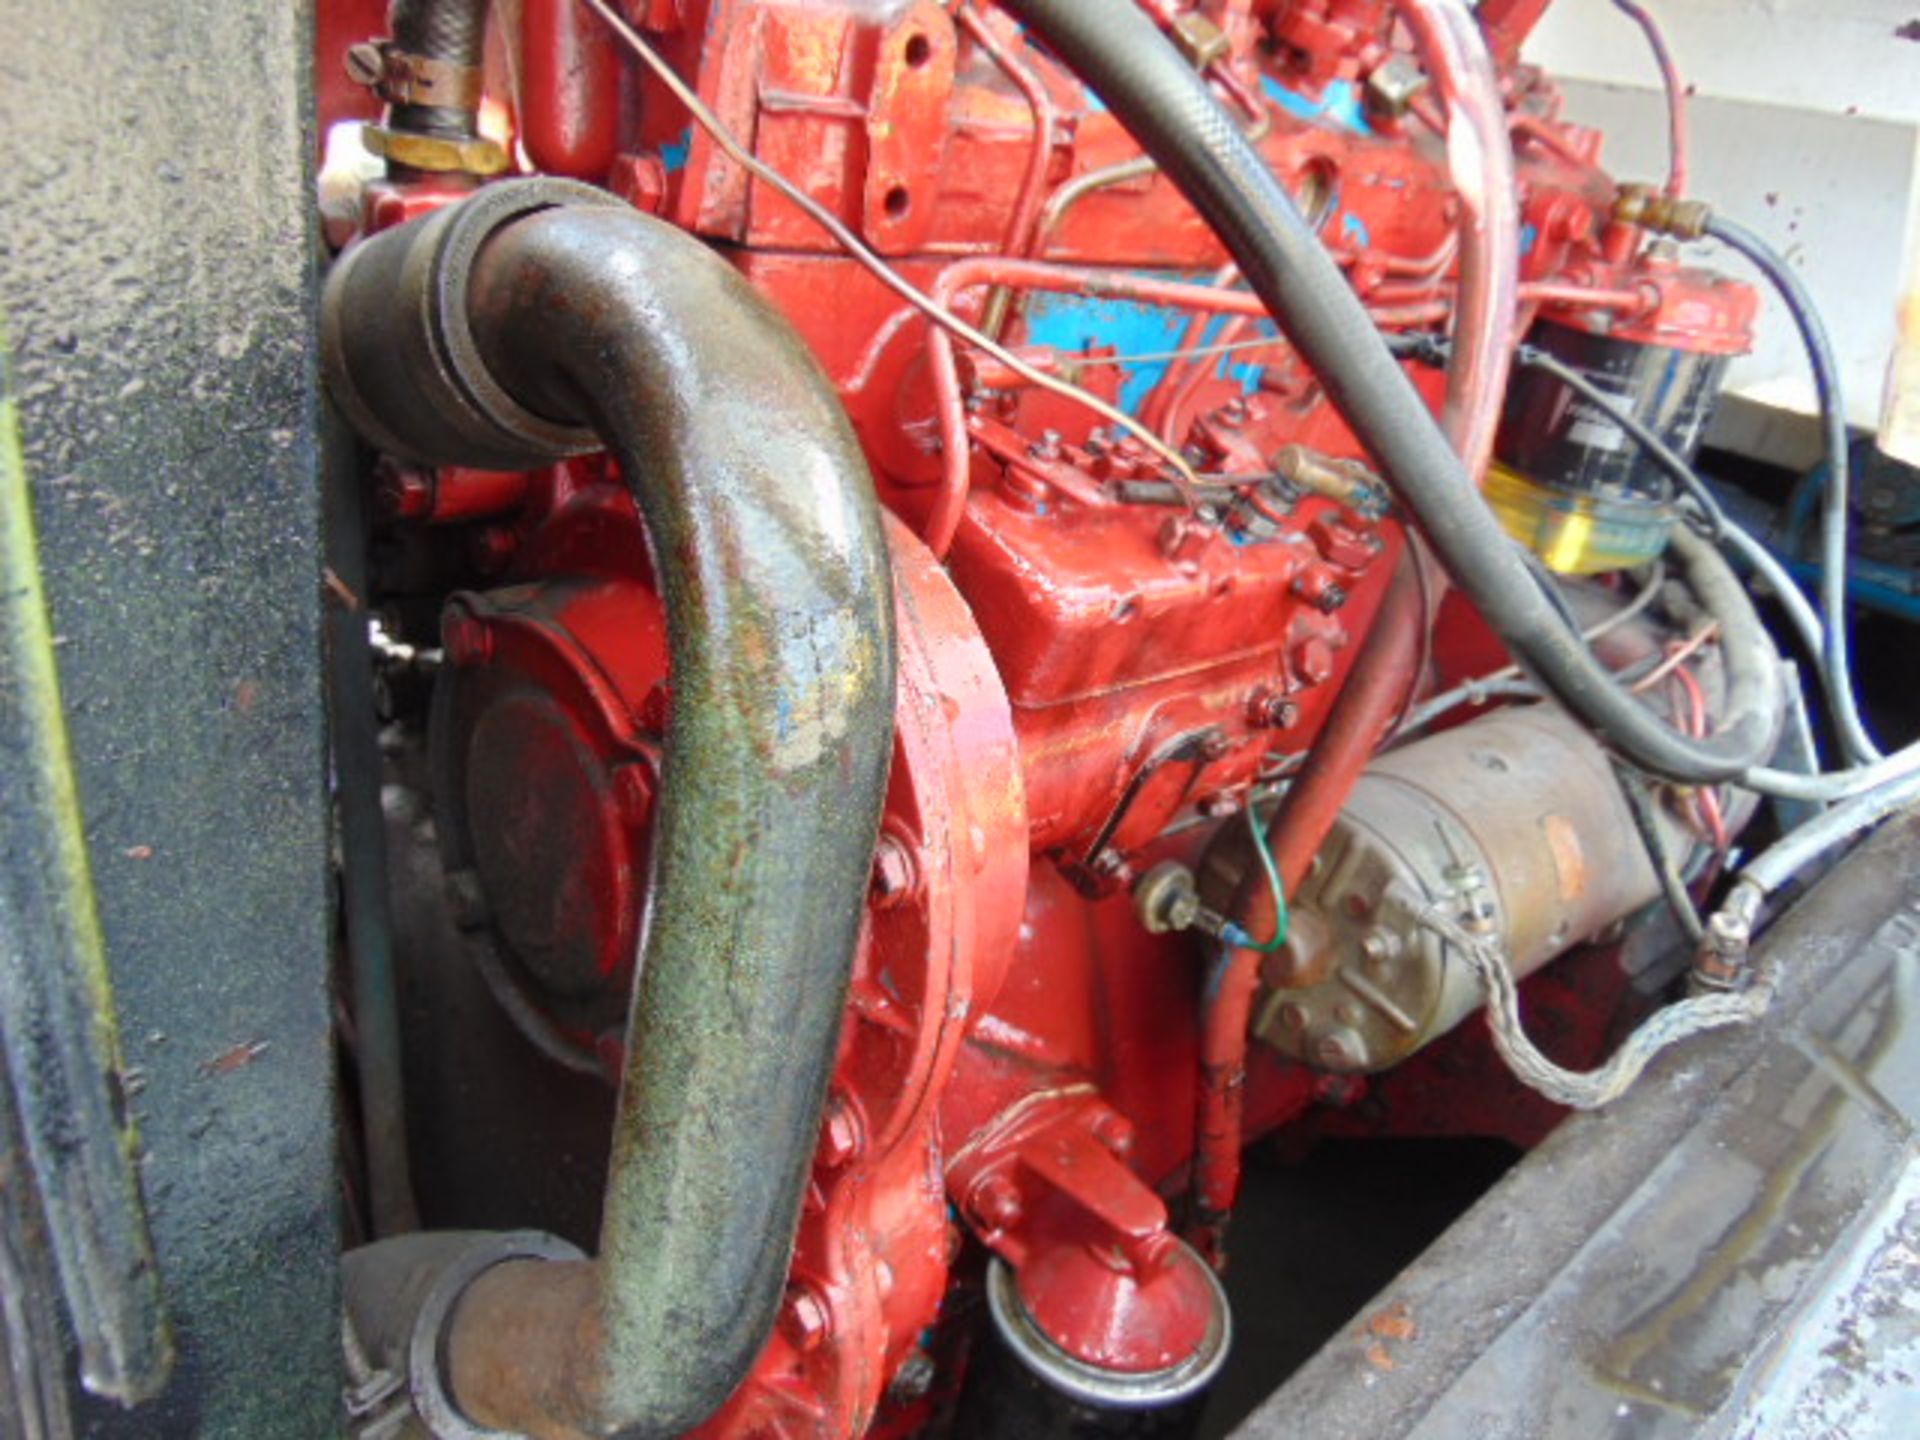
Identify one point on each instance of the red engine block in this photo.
(1089, 677)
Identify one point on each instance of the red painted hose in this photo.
(1365, 711)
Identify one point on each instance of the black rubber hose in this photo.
(454, 31)
(520, 324)
(1834, 501)
(1646, 822)
(1136, 72)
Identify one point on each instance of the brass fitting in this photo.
(1346, 482)
(1199, 39)
(474, 155)
(1394, 83)
(1652, 209)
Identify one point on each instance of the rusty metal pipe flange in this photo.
(434, 1321)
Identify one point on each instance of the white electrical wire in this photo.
(1802, 846)
(1834, 784)
(854, 246)
(1198, 352)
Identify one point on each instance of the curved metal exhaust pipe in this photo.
(538, 319)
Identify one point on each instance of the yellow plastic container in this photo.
(1578, 532)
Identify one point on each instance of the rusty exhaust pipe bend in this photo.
(493, 333)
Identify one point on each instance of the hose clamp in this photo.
(401, 77)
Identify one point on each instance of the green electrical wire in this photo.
(1247, 942)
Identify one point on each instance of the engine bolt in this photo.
(997, 1203)
(1340, 1049)
(365, 64)
(467, 639)
(1380, 947)
(805, 1319)
(893, 878)
(1318, 588)
(1114, 1131)
(841, 1139)
(1394, 83)
(913, 1379)
(1269, 710)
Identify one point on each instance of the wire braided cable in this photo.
(1591, 1089)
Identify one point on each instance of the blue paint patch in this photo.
(1075, 323)
(1528, 235)
(1354, 229)
(674, 156)
(1343, 104)
(1339, 105)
